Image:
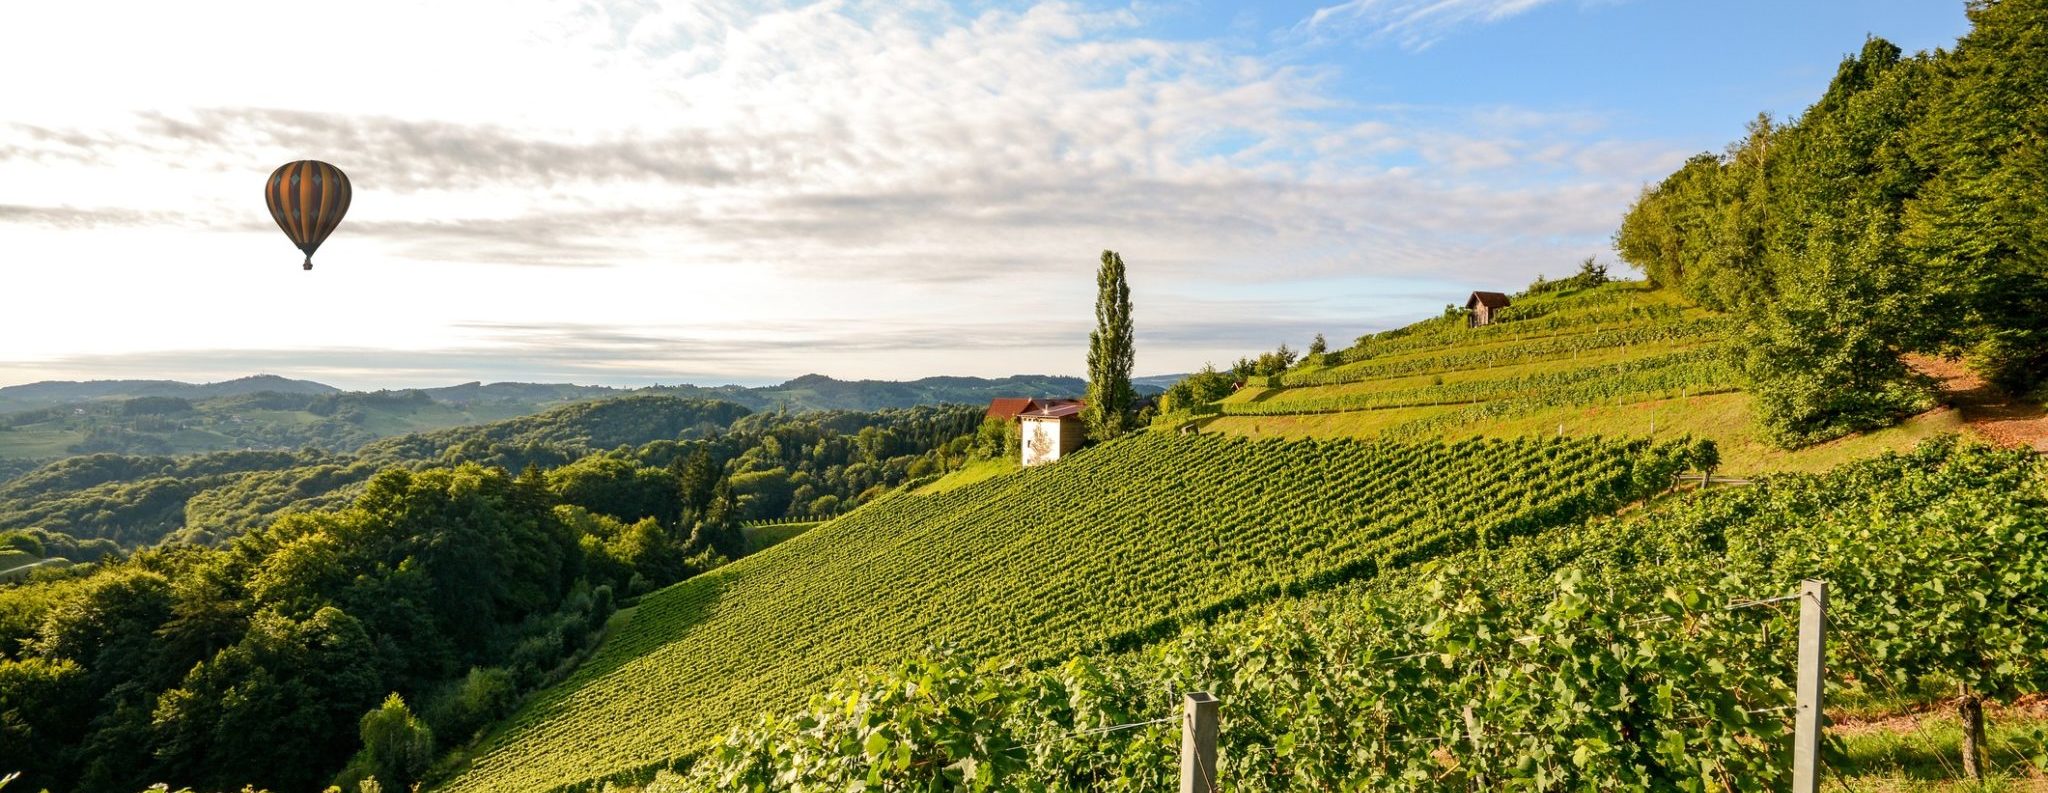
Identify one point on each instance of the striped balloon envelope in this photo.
(307, 199)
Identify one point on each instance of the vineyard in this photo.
(1540, 349)
(1111, 550)
(768, 534)
(1610, 307)
(1621, 359)
(1648, 653)
(1659, 377)
(1615, 344)
(1033, 629)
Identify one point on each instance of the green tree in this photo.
(719, 532)
(397, 747)
(43, 705)
(618, 487)
(1111, 353)
(486, 694)
(1982, 219)
(650, 550)
(1903, 213)
(696, 480)
(271, 709)
(995, 439)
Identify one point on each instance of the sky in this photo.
(629, 193)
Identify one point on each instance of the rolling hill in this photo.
(52, 420)
(1618, 359)
(140, 500)
(50, 393)
(1651, 651)
(1425, 441)
(1115, 547)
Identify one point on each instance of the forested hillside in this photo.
(207, 498)
(53, 420)
(52, 393)
(204, 498)
(418, 583)
(46, 421)
(1904, 212)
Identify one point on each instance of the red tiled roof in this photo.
(1009, 407)
(1055, 409)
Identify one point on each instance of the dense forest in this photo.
(415, 604)
(1905, 212)
(209, 498)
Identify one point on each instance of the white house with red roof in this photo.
(1050, 429)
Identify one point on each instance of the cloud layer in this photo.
(882, 164)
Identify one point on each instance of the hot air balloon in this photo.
(307, 199)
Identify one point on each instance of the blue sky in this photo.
(1606, 56)
(638, 192)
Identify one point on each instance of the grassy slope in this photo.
(973, 472)
(769, 629)
(761, 538)
(1108, 548)
(16, 565)
(1725, 418)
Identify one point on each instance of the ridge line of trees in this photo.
(1906, 212)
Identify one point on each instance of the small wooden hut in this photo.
(1483, 308)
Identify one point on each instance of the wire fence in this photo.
(1197, 777)
(1446, 714)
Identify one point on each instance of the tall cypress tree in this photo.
(1110, 353)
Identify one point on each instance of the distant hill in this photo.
(306, 415)
(53, 420)
(58, 392)
(139, 500)
(818, 392)
(1156, 383)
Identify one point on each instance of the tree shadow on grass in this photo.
(1933, 753)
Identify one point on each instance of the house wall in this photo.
(1071, 434)
(1041, 441)
(1047, 440)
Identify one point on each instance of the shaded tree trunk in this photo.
(1971, 710)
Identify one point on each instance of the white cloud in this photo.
(697, 171)
(1414, 24)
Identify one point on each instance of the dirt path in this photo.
(1986, 410)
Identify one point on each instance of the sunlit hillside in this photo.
(1618, 360)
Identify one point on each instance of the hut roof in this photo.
(1055, 409)
(1487, 299)
(1008, 407)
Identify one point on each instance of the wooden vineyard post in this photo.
(1198, 745)
(1813, 624)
